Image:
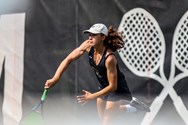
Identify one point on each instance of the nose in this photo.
(90, 37)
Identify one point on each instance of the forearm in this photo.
(104, 91)
(90, 96)
(66, 62)
(61, 69)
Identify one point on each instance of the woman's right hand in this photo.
(50, 83)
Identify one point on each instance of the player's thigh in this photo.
(111, 112)
(112, 108)
(101, 107)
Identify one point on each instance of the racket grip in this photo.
(44, 94)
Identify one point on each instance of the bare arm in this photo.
(112, 78)
(75, 54)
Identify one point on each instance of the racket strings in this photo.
(143, 46)
(181, 44)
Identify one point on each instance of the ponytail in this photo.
(114, 39)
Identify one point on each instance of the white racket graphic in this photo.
(179, 60)
(144, 54)
(144, 49)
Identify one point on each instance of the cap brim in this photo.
(90, 31)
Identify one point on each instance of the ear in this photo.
(103, 37)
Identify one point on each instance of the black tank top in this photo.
(101, 71)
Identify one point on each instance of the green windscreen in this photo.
(33, 118)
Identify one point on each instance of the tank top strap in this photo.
(109, 55)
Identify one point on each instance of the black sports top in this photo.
(101, 71)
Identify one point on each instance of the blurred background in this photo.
(49, 32)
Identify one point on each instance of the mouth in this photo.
(91, 42)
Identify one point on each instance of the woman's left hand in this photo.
(83, 99)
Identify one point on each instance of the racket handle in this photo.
(44, 94)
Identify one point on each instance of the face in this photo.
(96, 39)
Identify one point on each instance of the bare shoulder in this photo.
(110, 59)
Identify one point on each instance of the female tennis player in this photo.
(101, 46)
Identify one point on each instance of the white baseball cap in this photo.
(98, 28)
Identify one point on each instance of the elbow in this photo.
(69, 60)
(113, 88)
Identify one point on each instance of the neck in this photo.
(100, 49)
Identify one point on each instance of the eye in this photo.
(91, 34)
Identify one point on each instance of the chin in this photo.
(92, 44)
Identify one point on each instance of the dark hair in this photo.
(114, 40)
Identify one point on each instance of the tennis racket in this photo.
(34, 117)
(144, 55)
